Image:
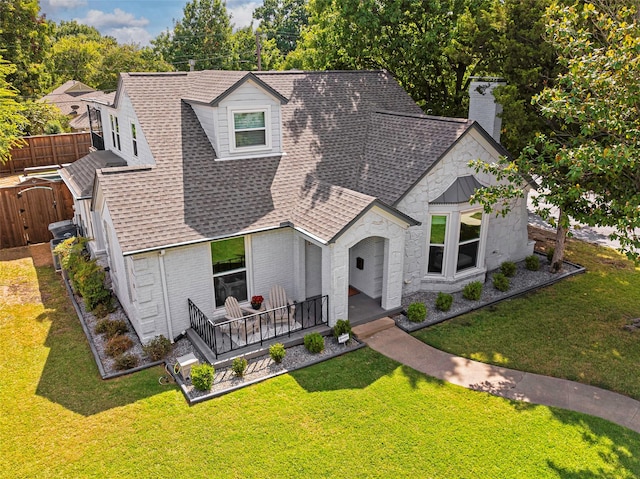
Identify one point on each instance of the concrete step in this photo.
(363, 331)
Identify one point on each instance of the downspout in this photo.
(165, 294)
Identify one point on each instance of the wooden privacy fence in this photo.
(47, 150)
(26, 210)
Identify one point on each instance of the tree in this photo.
(431, 47)
(282, 21)
(11, 118)
(203, 34)
(589, 165)
(243, 43)
(25, 43)
(42, 118)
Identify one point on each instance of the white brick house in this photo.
(322, 182)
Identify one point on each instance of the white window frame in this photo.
(266, 109)
(134, 138)
(115, 132)
(445, 245)
(246, 269)
(452, 241)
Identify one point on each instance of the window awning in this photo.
(459, 192)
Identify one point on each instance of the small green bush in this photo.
(111, 327)
(472, 291)
(417, 312)
(102, 310)
(314, 342)
(117, 345)
(277, 352)
(342, 327)
(202, 376)
(238, 366)
(444, 301)
(501, 282)
(126, 361)
(532, 263)
(550, 253)
(508, 268)
(157, 348)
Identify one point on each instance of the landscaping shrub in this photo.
(277, 352)
(111, 327)
(202, 376)
(157, 348)
(508, 268)
(314, 342)
(501, 282)
(117, 345)
(126, 361)
(444, 301)
(532, 263)
(102, 310)
(550, 253)
(342, 327)
(239, 366)
(417, 312)
(472, 291)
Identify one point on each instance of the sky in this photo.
(135, 21)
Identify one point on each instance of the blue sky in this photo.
(135, 21)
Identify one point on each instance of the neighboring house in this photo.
(70, 97)
(320, 182)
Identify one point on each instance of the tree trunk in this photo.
(561, 237)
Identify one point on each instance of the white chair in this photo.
(281, 309)
(234, 314)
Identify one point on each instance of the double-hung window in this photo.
(134, 139)
(115, 132)
(469, 240)
(229, 270)
(250, 129)
(437, 243)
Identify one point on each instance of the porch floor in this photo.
(363, 309)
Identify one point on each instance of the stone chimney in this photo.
(483, 107)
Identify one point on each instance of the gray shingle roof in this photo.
(340, 157)
(80, 174)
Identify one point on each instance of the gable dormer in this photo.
(244, 120)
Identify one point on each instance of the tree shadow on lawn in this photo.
(70, 376)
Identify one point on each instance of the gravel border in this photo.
(524, 281)
(263, 367)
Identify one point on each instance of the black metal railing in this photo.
(255, 328)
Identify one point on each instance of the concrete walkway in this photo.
(383, 336)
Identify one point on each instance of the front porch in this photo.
(254, 331)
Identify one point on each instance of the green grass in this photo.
(572, 330)
(360, 415)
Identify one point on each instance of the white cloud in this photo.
(66, 3)
(116, 20)
(130, 35)
(241, 15)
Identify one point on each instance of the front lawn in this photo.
(360, 415)
(572, 330)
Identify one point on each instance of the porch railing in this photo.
(229, 335)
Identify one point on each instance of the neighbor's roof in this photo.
(69, 98)
(350, 137)
(79, 176)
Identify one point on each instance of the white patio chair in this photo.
(234, 313)
(280, 307)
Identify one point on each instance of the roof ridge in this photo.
(315, 72)
(423, 116)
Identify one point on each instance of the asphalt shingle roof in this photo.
(341, 154)
(80, 174)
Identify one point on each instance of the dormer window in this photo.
(251, 129)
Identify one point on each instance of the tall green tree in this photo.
(11, 117)
(204, 34)
(589, 165)
(25, 42)
(282, 21)
(432, 47)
